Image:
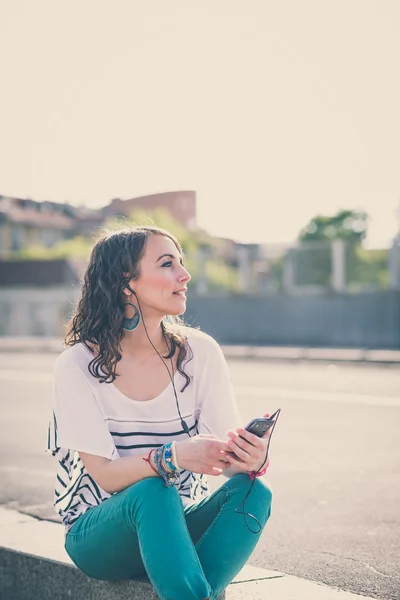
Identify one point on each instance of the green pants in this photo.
(188, 554)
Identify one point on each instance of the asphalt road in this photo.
(335, 469)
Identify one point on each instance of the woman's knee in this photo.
(261, 502)
(261, 493)
(242, 482)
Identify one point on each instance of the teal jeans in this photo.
(188, 553)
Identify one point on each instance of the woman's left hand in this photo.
(250, 451)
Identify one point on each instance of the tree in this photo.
(363, 268)
(369, 269)
(348, 225)
(220, 276)
(160, 217)
(78, 247)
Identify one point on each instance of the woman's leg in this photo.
(222, 539)
(142, 527)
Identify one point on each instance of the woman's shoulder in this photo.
(200, 341)
(73, 356)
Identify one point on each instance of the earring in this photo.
(131, 323)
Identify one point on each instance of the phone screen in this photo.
(261, 425)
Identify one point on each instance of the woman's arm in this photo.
(116, 475)
(215, 396)
(199, 454)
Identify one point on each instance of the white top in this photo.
(97, 418)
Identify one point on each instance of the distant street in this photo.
(335, 468)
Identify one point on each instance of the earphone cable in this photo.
(185, 428)
(243, 512)
(184, 425)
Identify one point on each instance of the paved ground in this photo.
(335, 472)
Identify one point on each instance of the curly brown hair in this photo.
(99, 313)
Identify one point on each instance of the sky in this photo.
(273, 112)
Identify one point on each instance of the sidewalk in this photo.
(34, 564)
(332, 355)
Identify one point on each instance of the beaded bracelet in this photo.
(172, 463)
(168, 461)
(174, 455)
(165, 461)
(168, 457)
(169, 477)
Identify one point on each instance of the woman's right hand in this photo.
(203, 454)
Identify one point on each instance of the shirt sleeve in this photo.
(77, 423)
(218, 410)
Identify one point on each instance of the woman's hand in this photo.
(203, 454)
(250, 452)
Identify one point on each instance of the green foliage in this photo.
(368, 268)
(160, 217)
(220, 276)
(348, 225)
(312, 264)
(276, 273)
(76, 247)
(364, 268)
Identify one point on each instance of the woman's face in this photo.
(161, 287)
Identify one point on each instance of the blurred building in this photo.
(181, 205)
(88, 220)
(38, 273)
(25, 222)
(37, 296)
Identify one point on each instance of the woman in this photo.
(143, 412)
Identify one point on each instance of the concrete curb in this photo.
(34, 564)
(267, 353)
(323, 355)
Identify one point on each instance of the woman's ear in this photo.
(128, 291)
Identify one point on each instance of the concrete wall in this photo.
(35, 311)
(341, 320)
(370, 320)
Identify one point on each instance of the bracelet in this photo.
(169, 477)
(254, 474)
(174, 455)
(148, 460)
(168, 457)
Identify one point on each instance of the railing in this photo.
(307, 268)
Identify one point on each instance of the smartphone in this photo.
(261, 425)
